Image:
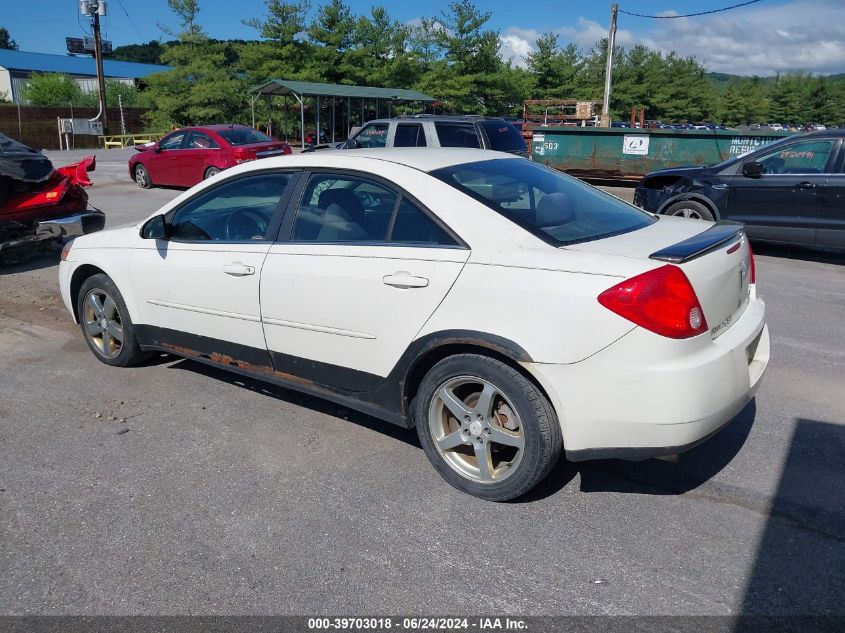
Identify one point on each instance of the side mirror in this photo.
(155, 229)
(350, 144)
(752, 169)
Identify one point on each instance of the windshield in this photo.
(549, 204)
(244, 136)
(504, 137)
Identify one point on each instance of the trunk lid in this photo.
(263, 150)
(715, 258)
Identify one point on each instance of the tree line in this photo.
(454, 57)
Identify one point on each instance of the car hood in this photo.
(677, 171)
(118, 237)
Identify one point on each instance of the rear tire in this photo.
(211, 171)
(487, 429)
(690, 209)
(106, 325)
(142, 177)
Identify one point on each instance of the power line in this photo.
(689, 15)
(130, 19)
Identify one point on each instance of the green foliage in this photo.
(149, 53)
(57, 89)
(454, 57)
(6, 40)
(53, 89)
(186, 11)
(204, 87)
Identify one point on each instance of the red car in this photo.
(188, 155)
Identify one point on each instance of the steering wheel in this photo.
(244, 225)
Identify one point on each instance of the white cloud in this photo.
(516, 42)
(765, 39)
(762, 39)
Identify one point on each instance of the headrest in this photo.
(554, 209)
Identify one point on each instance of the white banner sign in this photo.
(635, 144)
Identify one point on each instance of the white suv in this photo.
(440, 131)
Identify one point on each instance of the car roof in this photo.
(422, 158)
(460, 118)
(218, 126)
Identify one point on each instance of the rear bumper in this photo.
(66, 227)
(645, 396)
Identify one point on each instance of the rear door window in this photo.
(412, 226)
(453, 134)
(200, 140)
(409, 135)
(340, 208)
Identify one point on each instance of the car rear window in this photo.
(503, 136)
(549, 204)
(244, 136)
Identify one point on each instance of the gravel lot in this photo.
(174, 488)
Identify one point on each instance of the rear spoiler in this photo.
(720, 234)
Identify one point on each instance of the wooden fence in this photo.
(36, 125)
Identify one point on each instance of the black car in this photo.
(790, 191)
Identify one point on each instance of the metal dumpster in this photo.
(629, 154)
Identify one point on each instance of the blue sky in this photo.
(764, 38)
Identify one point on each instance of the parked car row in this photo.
(191, 154)
(670, 126)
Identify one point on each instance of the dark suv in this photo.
(792, 190)
(429, 130)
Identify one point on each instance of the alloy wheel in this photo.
(476, 429)
(103, 324)
(688, 213)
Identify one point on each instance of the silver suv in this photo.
(429, 130)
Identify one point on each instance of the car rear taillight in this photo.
(751, 264)
(243, 156)
(661, 300)
(66, 250)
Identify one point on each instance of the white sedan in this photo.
(505, 310)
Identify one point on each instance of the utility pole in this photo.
(608, 73)
(94, 9)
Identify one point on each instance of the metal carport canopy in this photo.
(300, 89)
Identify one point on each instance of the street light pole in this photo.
(608, 73)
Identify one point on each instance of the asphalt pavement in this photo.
(175, 488)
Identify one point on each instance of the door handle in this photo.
(237, 269)
(403, 279)
(806, 186)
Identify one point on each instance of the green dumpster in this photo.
(629, 154)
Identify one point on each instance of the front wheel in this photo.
(486, 428)
(690, 209)
(105, 323)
